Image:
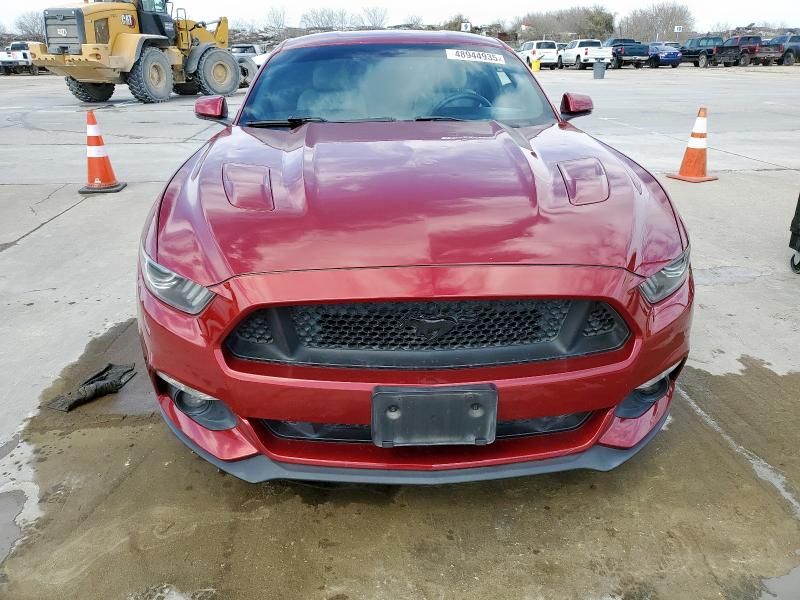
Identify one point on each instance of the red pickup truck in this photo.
(745, 49)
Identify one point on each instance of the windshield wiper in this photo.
(288, 122)
(437, 118)
(367, 120)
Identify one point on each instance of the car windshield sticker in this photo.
(476, 56)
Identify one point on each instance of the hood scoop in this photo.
(586, 181)
(248, 186)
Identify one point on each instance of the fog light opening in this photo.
(203, 409)
(656, 383)
(190, 404)
(640, 400)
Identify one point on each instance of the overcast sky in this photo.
(708, 13)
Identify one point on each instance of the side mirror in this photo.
(212, 108)
(575, 105)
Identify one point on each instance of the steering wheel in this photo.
(463, 95)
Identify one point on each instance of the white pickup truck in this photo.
(16, 58)
(584, 53)
(545, 51)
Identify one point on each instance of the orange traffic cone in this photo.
(101, 178)
(693, 167)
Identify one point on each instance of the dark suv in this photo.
(701, 52)
(788, 46)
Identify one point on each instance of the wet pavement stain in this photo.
(758, 408)
(128, 512)
(11, 504)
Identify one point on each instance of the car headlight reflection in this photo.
(173, 289)
(667, 280)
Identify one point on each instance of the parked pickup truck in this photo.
(582, 53)
(16, 58)
(702, 51)
(625, 51)
(745, 49)
(788, 46)
(545, 51)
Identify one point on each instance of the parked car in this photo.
(545, 51)
(245, 55)
(701, 51)
(626, 51)
(671, 44)
(249, 50)
(513, 297)
(745, 49)
(664, 55)
(582, 53)
(788, 46)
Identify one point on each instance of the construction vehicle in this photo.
(99, 44)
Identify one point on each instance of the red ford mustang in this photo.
(399, 263)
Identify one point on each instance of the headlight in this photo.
(173, 289)
(667, 280)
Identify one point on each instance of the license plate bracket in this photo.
(434, 416)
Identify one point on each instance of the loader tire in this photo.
(218, 73)
(90, 92)
(190, 88)
(248, 71)
(150, 79)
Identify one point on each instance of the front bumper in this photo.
(190, 349)
(260, 468)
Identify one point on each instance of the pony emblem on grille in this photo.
(431, 328)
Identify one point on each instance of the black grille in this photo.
(255, 330)
(429, 325)
(601, 320)
(428, 335)
(328, 432)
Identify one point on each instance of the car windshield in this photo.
(546, 45)
(397, 82)
(590, 44)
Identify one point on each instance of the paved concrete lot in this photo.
(104, 503)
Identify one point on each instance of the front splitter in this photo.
(259, 468)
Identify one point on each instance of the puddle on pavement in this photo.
(128, 512)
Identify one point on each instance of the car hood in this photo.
(343, 196)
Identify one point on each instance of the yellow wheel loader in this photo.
(99, 44)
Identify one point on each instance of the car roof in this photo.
(392, 37)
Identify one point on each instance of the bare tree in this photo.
(3, 30)
(415, 22)
(30, 25)
(276, 18)
(720, 27)
(587, 22)
(375, 16)
(344, 20)
(454, 22)
(657, 21)
(319, 18)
